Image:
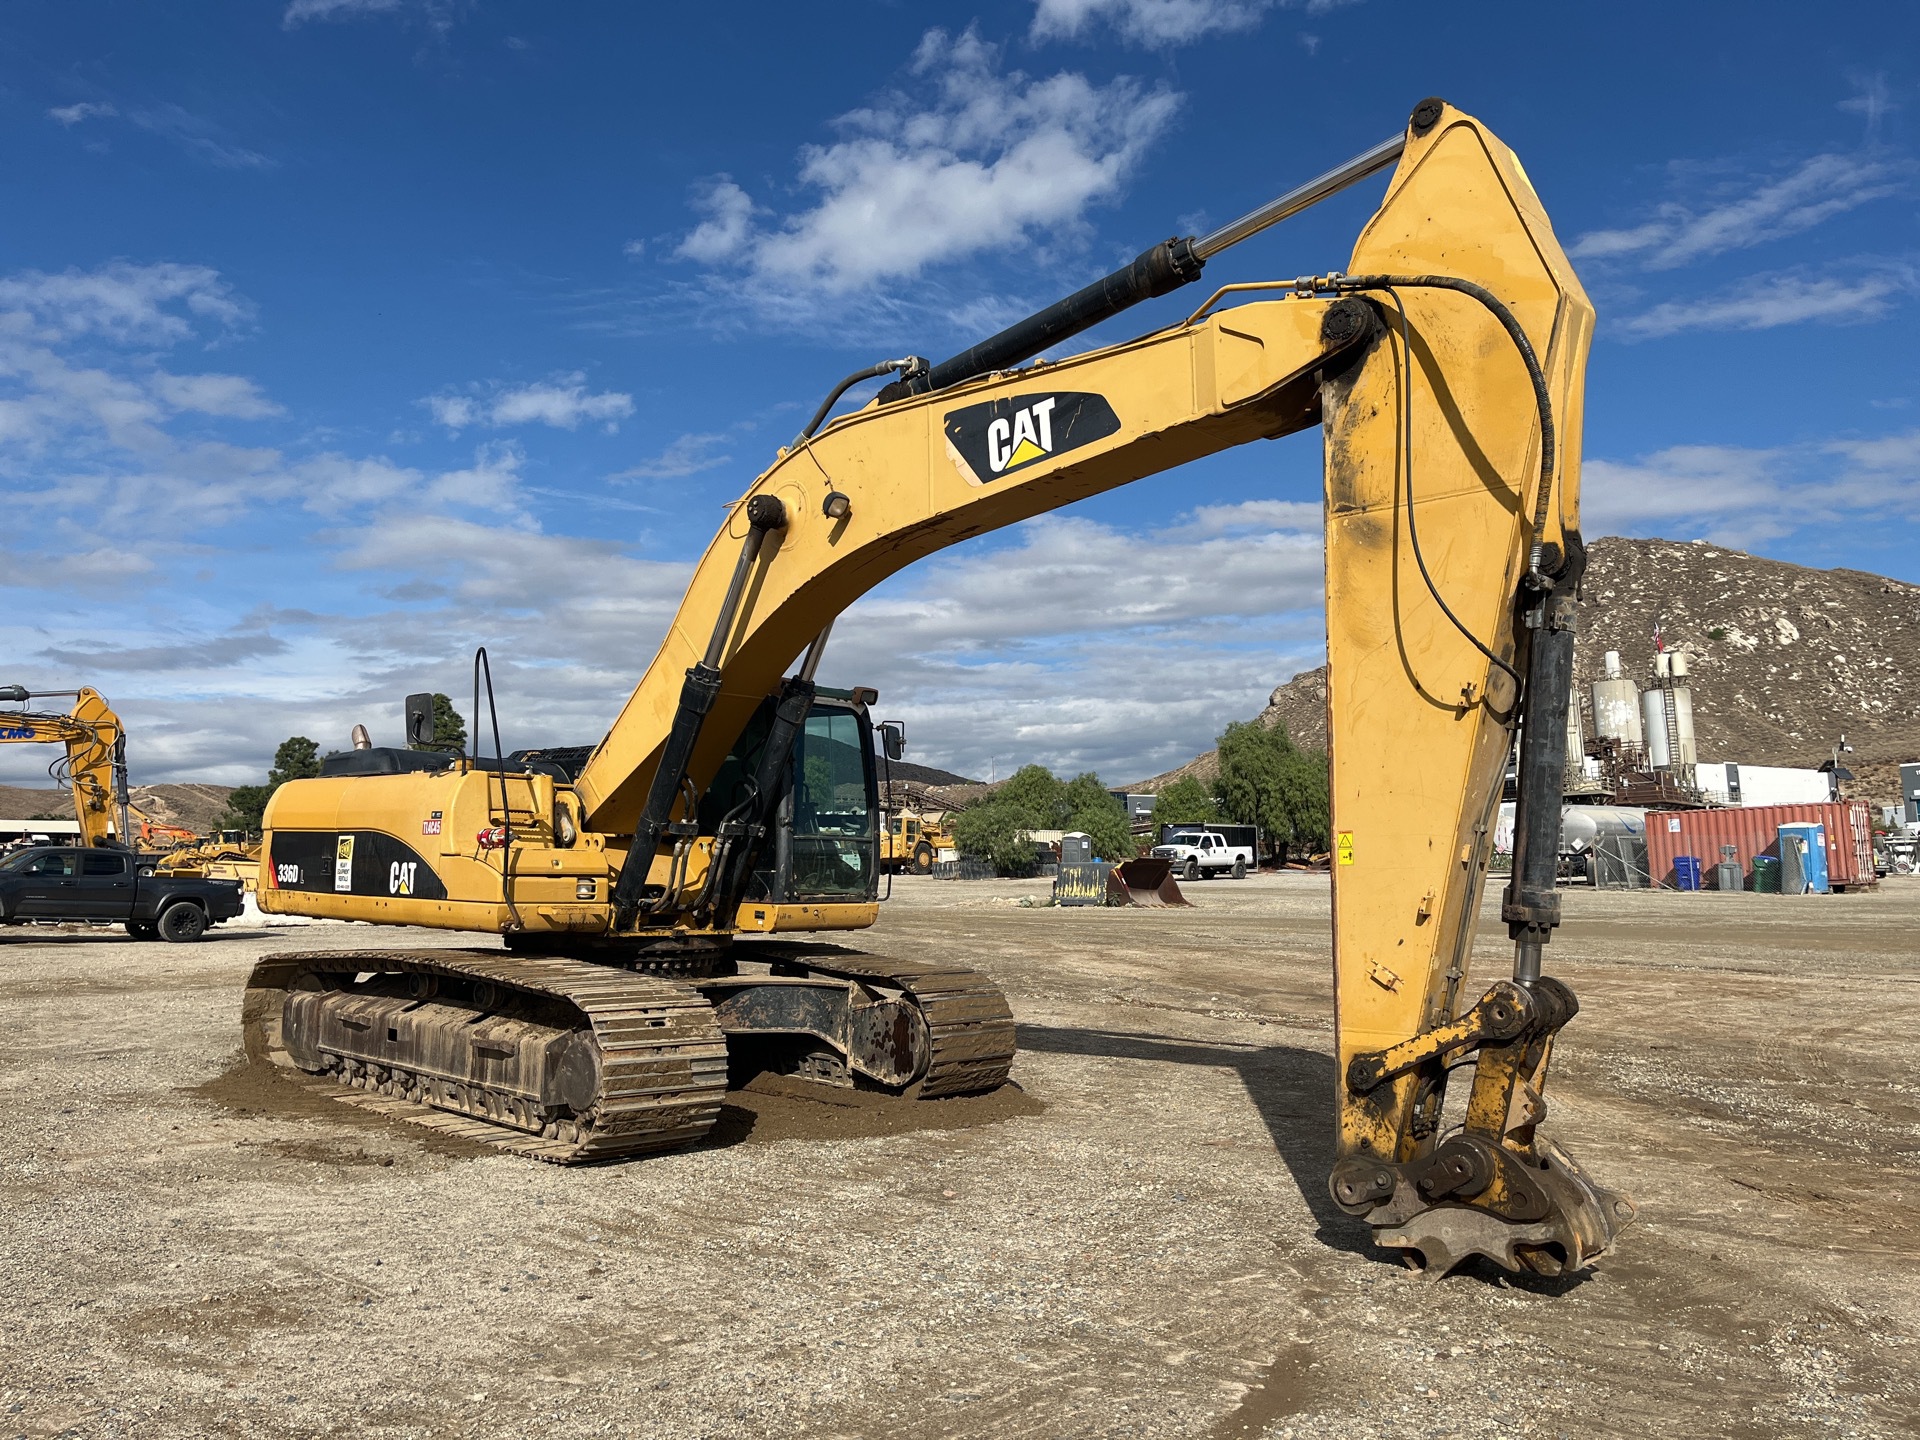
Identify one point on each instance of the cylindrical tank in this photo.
(1581, 825)
(1653, 714)
(1616, 705)
(1685, 752)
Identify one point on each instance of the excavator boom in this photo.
(1446, 367)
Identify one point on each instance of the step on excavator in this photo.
(655, 892)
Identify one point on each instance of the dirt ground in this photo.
(1137, 1243)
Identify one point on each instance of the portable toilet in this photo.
(1807, 842)
(1076, 848)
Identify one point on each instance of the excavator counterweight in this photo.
(649, 890)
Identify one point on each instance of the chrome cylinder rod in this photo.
(1299, 198)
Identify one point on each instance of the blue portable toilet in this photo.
(1686, 872)
(1812, 843)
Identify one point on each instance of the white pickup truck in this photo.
(1200, 852)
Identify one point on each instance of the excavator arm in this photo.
(94, 765)
(1447, 368)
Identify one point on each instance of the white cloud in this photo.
(992, 160)
(1871, 100)
(1161, 22)
(562, 402)
(1740, 496)
(71, 115)
(1746, 213)
(456, 412)
(1766, 301)
(123, 302)
(728, 226)
(688, 455)
(233, 396)
(436, 15)
(198, 137)
(303, 10)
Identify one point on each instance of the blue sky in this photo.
(340, 336)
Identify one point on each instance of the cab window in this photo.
(53, 864)
(833, 825)
(100, 865)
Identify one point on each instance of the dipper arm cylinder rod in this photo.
(1301, 197)
(723, 622)
(1165, 267)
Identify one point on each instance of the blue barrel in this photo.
(1686, 872)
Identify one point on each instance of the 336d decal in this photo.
(995, 439)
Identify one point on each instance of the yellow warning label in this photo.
(343, 863)
(1343, 848)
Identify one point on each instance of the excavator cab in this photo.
(824, 843)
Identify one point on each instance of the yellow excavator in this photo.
(650, 891)
(93, 762)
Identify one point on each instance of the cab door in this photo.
(49, 885)
(104, 887)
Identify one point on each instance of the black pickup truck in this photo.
(62, 883)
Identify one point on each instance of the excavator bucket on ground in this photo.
(1145, 881)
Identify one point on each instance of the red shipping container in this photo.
(1755, 830)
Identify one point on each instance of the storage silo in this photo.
(1616, 705)
(1653, 714)
(1685, 752)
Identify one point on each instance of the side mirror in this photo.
(419, 721)
(893, 738)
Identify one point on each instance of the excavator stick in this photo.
(1453, 563)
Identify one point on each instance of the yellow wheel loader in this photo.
(652, 892)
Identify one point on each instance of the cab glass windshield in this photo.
(834, 839)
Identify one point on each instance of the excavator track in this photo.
(570, 1061)
(652, 1078)
(970, 1034)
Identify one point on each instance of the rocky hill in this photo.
(1784, 659)
(197, 807)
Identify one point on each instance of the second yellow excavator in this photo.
(93, 759)
(648, 891)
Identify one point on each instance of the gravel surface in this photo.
(1135, 1243)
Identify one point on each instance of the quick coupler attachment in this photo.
(1490, 1185)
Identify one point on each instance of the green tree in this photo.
(1266, 781)
(1090, 807)
(1000, 829)
(449, 730)
(1186, 799)
(298, 758)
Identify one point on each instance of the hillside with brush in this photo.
(1784, 659)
